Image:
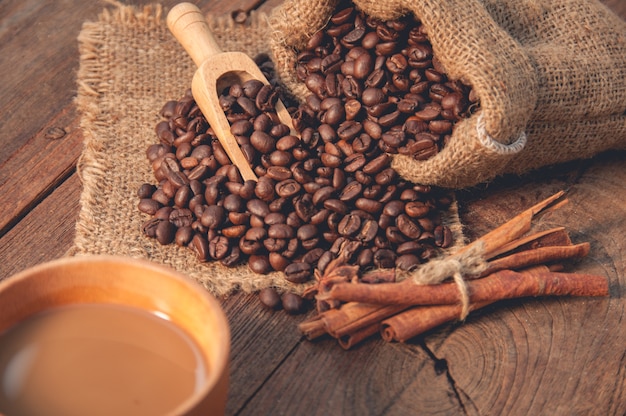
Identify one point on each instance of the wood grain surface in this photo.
(544, 356)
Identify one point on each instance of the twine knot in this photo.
(469, 262)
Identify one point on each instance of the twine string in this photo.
(457, 266)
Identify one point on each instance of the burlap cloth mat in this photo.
(130, 65)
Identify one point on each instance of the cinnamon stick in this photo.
(504, 284)
(350, 340)
(419, 319)
(516, 226)
(553, 237)
(352, 317)
(536, 256)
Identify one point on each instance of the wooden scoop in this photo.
(216, 71)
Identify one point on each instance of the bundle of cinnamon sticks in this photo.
(503, 264)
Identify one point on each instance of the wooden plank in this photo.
(39, 81)
(261, 341)
(46, 233)
(37, 167)
(375, 378)
(555, 356)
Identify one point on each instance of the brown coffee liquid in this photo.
(97, 359)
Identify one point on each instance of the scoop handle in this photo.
(190, 28)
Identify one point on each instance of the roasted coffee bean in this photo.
(368, 205)
(165, 232)
(336, 205)
(218, 247)
(443, 236)
(270, 298)
(181, 217)
(279, 204)
(354, 162)
(278, 261)
(298, 272)
(241, 128)
(275, 218)
(201, 247)
(408, 262)
(386, 176)
(369, 230)
(287, 188)
(183, 236)
(349, 225)
(417, 209)
(394, 235)
(292, 303)
(377, 164)
(160, 197)
(149, 227)
(312, 256)
(322, 194)
(251, 88)
(213, 216)
(384, 258)
(264, 189)
(394, 208)
(259, 264)
(234, 231)
(274, 244)
(262, 142)
(320, 216)
(266, 98)
(149, 206)
(408, 227)
(163, 213)
(351, 191)
(232, 258)
(146, 190)
(280, 231)
(182, 196)
(304, 207)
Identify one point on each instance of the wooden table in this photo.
(527, 357)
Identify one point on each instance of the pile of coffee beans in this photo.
(380, 79)
(327, 183)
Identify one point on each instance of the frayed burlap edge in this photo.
(130, 66)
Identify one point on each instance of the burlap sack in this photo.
(130, 65)
(550, 74)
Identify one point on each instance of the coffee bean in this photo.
(408, 227)
(165, 232)
(149, 227)
(287, 188)
(298, 272)
(259, 264)
(148, 206)
(181, 217)
(349, 225)
(213, 216)
(292, 303)
(262, 142)
(270, 298)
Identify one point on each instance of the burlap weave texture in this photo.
(550, 74)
